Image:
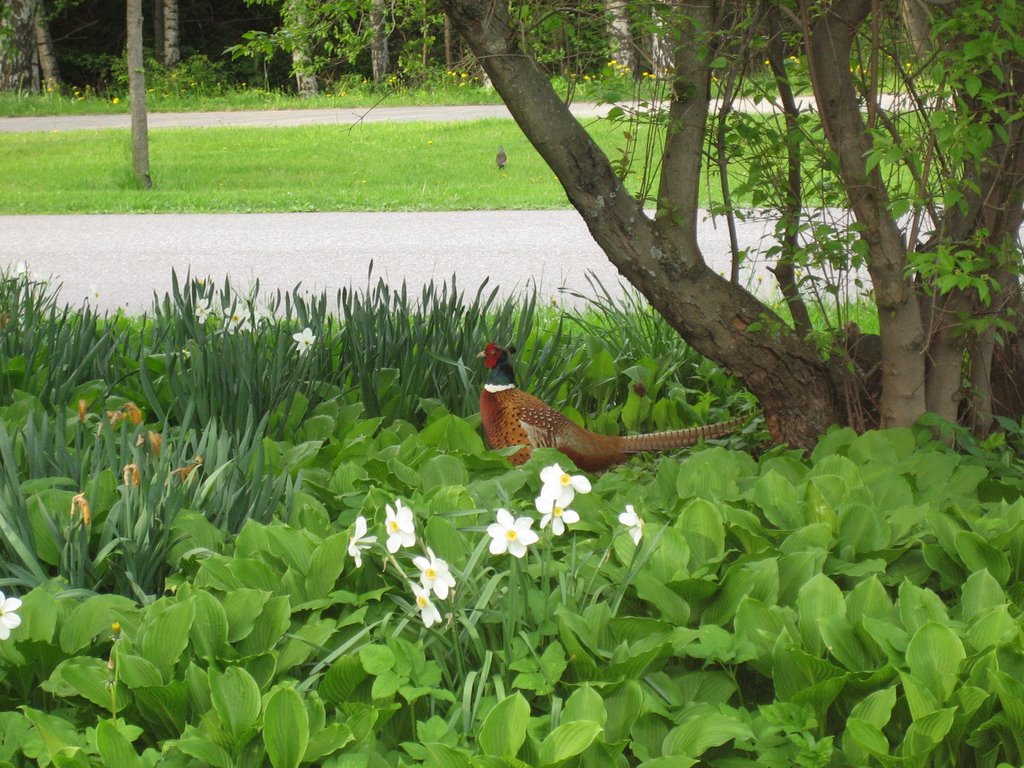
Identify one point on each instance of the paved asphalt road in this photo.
(122, 260)
(126, 258)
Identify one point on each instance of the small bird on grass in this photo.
(501, 158)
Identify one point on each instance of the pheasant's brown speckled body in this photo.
(513, 417)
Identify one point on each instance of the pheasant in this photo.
(513, 417)
(501, 158)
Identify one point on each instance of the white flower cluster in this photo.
(509, 535)
(434, 575)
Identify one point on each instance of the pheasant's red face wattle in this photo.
(492, 354)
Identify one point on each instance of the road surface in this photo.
(122, 260)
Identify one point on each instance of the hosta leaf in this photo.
(934, 656)
(93, 617)
(585, 704)
(925, 733)
(285, 728)
(701, 523)
(210, 627)
(702, 729)
(114, 747)
(504, 729)
(163, 639)
(89, 677)
(568, 740)
(236, 699)
(981, 592)
(978, 554)
(818, 599)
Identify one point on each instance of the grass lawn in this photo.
(370, 167)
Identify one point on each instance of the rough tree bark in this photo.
(661, 256)
(137, 94)
(904, 341)
(49, 72)
(172, 36)
(379, 58)
(18, 44)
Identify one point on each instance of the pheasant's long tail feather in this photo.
(678, 438)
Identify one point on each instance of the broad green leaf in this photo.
(443, 470)
(918, 606)
(443, 756)
(39, 613)
(503, 731)
(342, 678)
(164, 638)
(243, 607)
(925, 733)
(114, 747)
(203, 749)
(993, 626)
(236, 699)
(324, 741)
(568, 740)
(978, 555)
(377, 659)
(876, 708)
(137, 672)
(818, 599)
(285, 728)
(89, 677)
(623, 706)
(866, 737)
(780, 500)
(585, 704)
(703, 728)
(981, 592)
(934, 656)
(701, 523)
(210, 627)
(269, 629)
(325, 565)
(92, 617)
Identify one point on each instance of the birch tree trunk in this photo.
(620, 33)
(172, 34)
(18, 44)
(137, 94)
(302, 65)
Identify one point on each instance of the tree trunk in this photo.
(620, 33)
(158, 28)
(172, 37)
(829, 43)
(18, 44)
(379, 43)
(302, 63)
(48, 69)
(661, 257)
(137, 94)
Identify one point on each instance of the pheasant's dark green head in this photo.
(496, 359)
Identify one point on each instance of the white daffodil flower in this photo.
(633, 522)
(202, 313)
(561, 485)
(554, 515)
(428, 611)
(434, 574)
(359, 541)
(510, 534)
(9, 619)
(305, 339)
(400, 526)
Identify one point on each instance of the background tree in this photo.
(935, 191)
(137, 94)
(171, 39)
(18, 45)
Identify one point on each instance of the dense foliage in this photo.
(212, 597)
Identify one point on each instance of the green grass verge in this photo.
(370, 167)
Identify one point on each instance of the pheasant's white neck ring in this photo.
(498, 387)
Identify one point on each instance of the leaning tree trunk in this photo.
(172, 34)
(18, 44)
(661, 256)
(137, 94)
